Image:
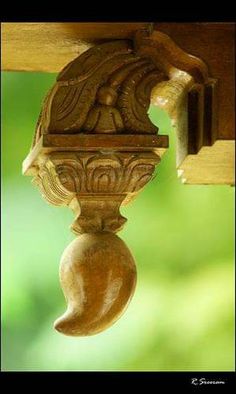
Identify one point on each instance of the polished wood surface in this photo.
(98, 277)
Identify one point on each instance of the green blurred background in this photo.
(181, 316)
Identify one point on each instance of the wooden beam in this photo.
(49, 47)
(213, 165)
(214, 43)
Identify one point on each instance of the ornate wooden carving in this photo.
(94, 149)
(105, 90)
(95, 184)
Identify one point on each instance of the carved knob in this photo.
(98, 278)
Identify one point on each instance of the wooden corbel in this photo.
(95, 148)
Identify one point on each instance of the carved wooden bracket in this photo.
(95, 148)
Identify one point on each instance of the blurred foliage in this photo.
(181, 316)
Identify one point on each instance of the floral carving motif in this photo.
(105, 90)
(97, 182)
(85, 173)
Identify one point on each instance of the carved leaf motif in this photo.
(59, 180)
(133, 111)
(69, 177)
(103, 174)
(51, 187)
(94, 184)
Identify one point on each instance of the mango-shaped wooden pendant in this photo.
(98, 277)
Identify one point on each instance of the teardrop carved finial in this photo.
(94, 149)
(98, 277)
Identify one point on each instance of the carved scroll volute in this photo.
(94, 149)
(188, 95)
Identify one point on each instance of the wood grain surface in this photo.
(49, 47)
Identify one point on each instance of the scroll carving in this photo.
(105, 90)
